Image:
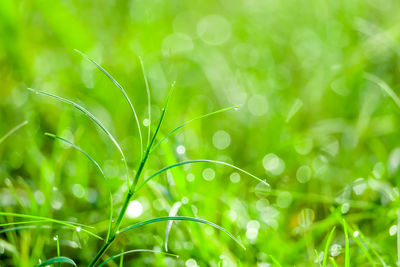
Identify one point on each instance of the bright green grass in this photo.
(316, 89)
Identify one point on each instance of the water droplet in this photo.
(335, 250)
(55, 238)
(185, 200)
(146, 122)
(78, 229)
(191, 263)
(356, 233)
(345, 207)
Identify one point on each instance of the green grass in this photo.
(283, 125)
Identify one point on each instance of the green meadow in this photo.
(199, 133)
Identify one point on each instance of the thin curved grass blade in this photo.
(148, 98)
(98, 167)
(192, 120)
(123, 92)
(17, 223)
(57, 260)
(135, 251)
(79, 149)
(198, 161)
(13, 130)
(45, 219)
(172, 212)
(181, 218)
(328, 243)
(384, 86)
(94, 119)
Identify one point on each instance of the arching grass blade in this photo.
(195, 119)
(172, 212)
(384, 86)
(57, 260)
(181, 218)
(198, 161)
(148, 99)
(123, 92)
(13, 130)
(135, 251)
(44, 219)
(98, 167)
(95, 120)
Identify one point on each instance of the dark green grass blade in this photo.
(148, 99)
(13, 130)
(347, 245)
(98, 167)
(172, 212)
(79, 149)
(123, 92)
(328, 243)
(135, 251)
(181, 218)
(195, 119)
(154, 135)
(44, 219)
(94, 119)
(197, 161)
(57, 260)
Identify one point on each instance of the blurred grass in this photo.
(311, 122)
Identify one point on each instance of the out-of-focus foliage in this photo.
(313, 123)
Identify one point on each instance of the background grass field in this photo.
(317, 82)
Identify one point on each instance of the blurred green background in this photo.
(311, 122)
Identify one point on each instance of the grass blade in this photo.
(44, 219)
(275, 261)
(328, 243)
(13, 130)
(384, 86)
(181, 218)
(135, 251)
(197, 161)
(94, 119)
(98, 167)
(123, 92)
(195, 119)
(347, 246)
(148, 98)
(333, 262)
(57, 260)
(359, 243)
(172, 212)
(143, 162)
